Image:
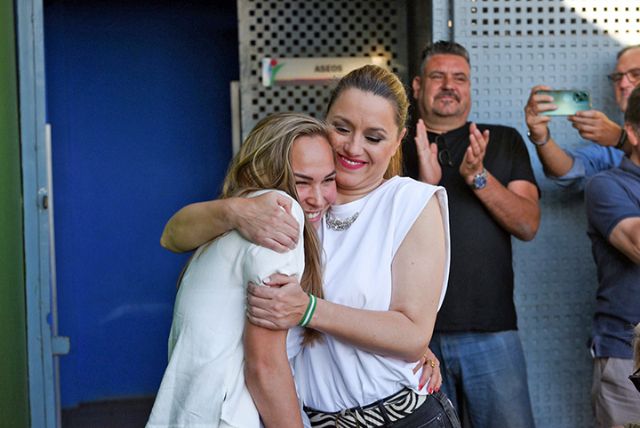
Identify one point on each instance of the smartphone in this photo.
(569, 101)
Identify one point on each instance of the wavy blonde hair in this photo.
(264, 162)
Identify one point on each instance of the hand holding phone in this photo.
(569, 101)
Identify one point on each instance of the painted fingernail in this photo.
(420, 386)
(430, 390)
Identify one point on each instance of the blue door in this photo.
(139, 107)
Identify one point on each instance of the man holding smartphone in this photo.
(572, 167)
(613, 211)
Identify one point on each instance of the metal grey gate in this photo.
(514, 45)
(302, 28)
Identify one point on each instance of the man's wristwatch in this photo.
(479, 180)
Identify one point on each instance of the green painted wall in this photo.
(14, 404)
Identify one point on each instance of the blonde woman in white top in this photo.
(211, 348)
(380, 314)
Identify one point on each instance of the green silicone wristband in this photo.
(308, 314)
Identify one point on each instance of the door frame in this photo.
(36, 215)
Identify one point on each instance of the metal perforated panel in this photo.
(514, 45)
(302, 28)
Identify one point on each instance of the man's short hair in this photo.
(632, 115)
(625, 49)
(443, 47)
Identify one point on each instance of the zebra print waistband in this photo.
(378, 414)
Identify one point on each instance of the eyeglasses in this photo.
(443, 152)
(635, 378)
(633, 75)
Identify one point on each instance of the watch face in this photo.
(479, 181)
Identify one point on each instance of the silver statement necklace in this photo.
(339, 225)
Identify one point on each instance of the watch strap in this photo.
(539, 143)
(622, 140)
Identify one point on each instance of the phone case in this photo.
(569, 101)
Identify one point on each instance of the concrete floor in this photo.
(129, 413)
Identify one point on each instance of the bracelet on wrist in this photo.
(621, 140)
(539, 143)
(308, 314)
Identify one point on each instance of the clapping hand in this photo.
(429, 168)
(474, 156)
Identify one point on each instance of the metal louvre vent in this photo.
(529, 18)
(302, 28)
(566, 44)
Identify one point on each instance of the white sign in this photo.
(296, 71)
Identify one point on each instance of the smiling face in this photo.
(443, 92)
(314, 169)
(628, 61)
(365, 136)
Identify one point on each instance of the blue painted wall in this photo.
(138, 97)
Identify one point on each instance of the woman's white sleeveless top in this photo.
(332, 375)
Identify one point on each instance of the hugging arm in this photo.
(196, 224)
(422, 254)
(268, 377)
(267, 372)
(264, 220)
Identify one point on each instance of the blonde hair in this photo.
(264, 162)
(385, 84)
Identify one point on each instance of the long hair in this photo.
(385, 84)
(264, 162)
